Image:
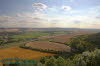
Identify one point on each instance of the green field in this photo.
(28, 35)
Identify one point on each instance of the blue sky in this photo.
(50, 13)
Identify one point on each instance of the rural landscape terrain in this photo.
(49, 32)
(37, 43)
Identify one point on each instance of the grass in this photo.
(61, 33)
(29, 35)
(14, 44)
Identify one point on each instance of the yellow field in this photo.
(21, 53)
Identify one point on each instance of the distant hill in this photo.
(47, 29)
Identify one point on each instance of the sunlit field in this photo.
(17, 52)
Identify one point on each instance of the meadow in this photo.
(28, 36)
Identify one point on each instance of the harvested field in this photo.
(9, 30)
(67, 37)
(49, 46)
(62, 38)
(21, 53)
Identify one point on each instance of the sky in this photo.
(50, 13)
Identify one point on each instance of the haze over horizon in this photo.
(50, 13)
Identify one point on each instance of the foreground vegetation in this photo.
(85, 59)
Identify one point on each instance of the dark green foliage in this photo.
(94, 39)
(85, 59)
(1, 41)
(43, 60)
(85, 42)
(44, 50)
(51, 62)
(61, 61)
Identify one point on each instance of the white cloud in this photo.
(41, 19)
(22, 20)
(39, 9)
(45, 21)
(55, 9)
(39, 5)
(66, 8)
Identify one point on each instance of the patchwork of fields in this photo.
(47, 40)
(66, 37)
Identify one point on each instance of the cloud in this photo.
(22, 20)
(77, 22)
(39, 9)
(66, 8)
(37, 22)
(98, 17)
(53, 9)
(40, 5)
(54, 18)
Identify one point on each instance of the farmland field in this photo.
(48, 46)
(66, 37)
(21, 53)
(29, 35)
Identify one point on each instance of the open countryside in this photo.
(49, 32)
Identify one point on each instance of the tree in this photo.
(51, 62)
(87, 58)
(43, 60)
(81, 43)
(61, 61)
(78, 60)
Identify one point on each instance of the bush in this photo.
(87, 58)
